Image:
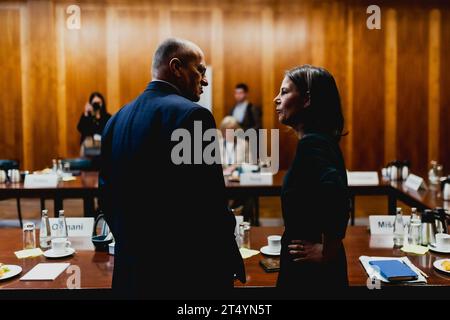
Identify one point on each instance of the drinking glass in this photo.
(29, 235)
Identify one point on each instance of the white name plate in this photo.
(41, 181)
(384, 224)
(256, 179)
(76, 227)
(414, 182)
(362, 178)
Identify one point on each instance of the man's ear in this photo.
(175, 67)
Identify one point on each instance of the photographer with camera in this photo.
(92, 122)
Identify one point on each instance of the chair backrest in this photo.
(6, 164)
(79, 164)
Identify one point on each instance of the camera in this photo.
(96, 106)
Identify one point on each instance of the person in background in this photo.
(234, 151)
(315, 198)
(174, 233)
(247, 115)
(94, 118)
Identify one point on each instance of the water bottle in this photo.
(45, 231)
(398, 229)
(59, 170)
(415, 227)
(54, 166)
(61, 232)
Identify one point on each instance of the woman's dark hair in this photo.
(103, 109)
(324, 114)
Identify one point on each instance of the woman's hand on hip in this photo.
(304, 251)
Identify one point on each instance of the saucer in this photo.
(435, 249)
(13, 271)
(438, 265)
(51, 254)
(265, 250)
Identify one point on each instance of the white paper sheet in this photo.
(45, 271)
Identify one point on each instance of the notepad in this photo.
(29, 253)
(45, 271)
(394, 270)
(247, 253)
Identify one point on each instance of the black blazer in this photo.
(174, 234)
(315, 201)
(252, 117)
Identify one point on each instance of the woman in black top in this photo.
(94, 118)
(315, 199)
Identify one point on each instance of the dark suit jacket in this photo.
(252, 117)
(174, 234)
(315, 202)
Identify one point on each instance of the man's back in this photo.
(174, 236)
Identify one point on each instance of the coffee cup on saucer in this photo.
(442, 242)
(274, 243)
(273, 247)
(60, 246)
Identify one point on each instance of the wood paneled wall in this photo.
(393, 82)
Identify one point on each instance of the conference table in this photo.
(85, 187)
(96, 268)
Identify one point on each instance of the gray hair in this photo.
(173, 48)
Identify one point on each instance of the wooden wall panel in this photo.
(368, 95)
(393, 82)
(10, 85)
(137, 39)
(85, 63)
(243, 52)
(412, 120)
(40, 127)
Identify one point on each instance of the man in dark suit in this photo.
(173, 231)
(247, 115)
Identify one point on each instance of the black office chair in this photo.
(10, 165)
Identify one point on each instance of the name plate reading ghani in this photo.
(76, 227)
(256, 179)
(41, 181)
(415, 182)
(384, 224)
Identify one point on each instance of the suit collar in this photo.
(163, 86)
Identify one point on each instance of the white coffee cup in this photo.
(2, 176)
(443, 241)
(60, 245)
(274, 243)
